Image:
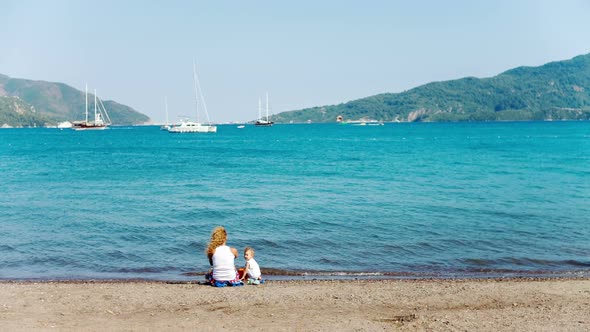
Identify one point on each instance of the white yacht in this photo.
(187, 126)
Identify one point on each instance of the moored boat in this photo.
(100, 122)
(266, 122)
(192, 127)
(167, 125)
(187, 126)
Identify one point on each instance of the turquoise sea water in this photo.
(400, 199)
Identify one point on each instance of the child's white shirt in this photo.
(254, 269)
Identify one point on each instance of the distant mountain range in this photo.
(27, 103)
(555, 91)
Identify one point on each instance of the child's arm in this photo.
(245, 271)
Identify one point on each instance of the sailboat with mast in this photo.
(263, 122)
(187, 126)
(101, 117)
(167, 125)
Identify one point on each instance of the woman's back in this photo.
(223, 264)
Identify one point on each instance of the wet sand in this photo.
(353, 305)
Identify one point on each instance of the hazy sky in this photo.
(304, 53)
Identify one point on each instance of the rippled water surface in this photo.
(418, 199)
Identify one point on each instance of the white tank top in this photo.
(223, 264)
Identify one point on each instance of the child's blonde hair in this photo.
(250, 249)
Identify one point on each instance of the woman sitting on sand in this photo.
(221, 257)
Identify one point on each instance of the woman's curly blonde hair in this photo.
(218, 238)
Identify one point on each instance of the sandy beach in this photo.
(352, 305)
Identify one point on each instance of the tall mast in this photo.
(166, 102)
(259, 109)
(86, 103)
(196, 90)
(267, 106)
(94, 105)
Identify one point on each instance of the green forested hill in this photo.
(53, 103)
(555, 91)
(15, 112)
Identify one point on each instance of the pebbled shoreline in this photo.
(522, 304)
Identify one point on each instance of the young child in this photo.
(251, 273)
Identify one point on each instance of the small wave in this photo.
(266, 272)
(531, 263)
(286, 272)
(577, 263)
(426, 247)
(477, 261)
(329, 261)
(204, 213)
(279, 274)
(134, 238)
(147, 269)
(322, 174)
(396, 249)
(222, 165)
(5, 247)
(265, 243)
(345, 273)
(56, 262)
(121, 255)
(176, 250)
(349, 158)
(512, 215)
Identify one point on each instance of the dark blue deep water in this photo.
(400, 199)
